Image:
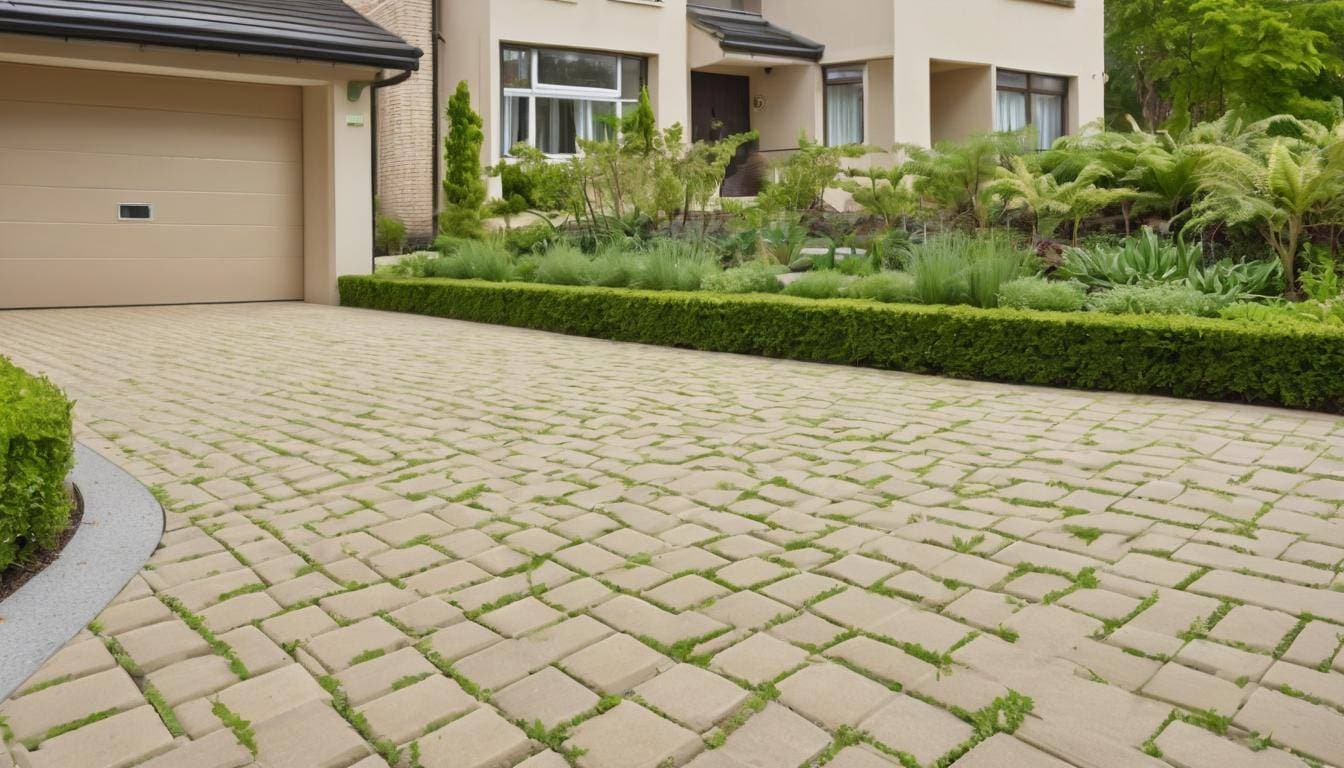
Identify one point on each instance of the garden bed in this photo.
(14, 577)
(1287, 365)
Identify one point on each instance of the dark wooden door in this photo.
(721, 106)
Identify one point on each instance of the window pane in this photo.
(557, 126)
(1012, 79)
(632, 77)
(1047, 83)
(515, 121)
(600, 112)
(844, 74)
(515, 68)
(576, 68)
(1011, 114)
(1047, 112)
(844, 114)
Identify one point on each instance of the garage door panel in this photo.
(25, 82)
(84, 169)
(130, 240)
(76, 128)
(101, 206)
(105, 282)
(226, 190)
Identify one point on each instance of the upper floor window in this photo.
(844, 105)
(1029, 99)
(553, 98)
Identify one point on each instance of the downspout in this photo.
(435, 37)
(353, 94)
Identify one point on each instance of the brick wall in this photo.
(405, 120)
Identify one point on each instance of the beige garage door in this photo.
(85, 155)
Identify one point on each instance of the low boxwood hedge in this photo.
(36, 453)
(1301, 367)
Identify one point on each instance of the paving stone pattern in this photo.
(408, 541)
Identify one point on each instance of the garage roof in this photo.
(325, 30)
(747, 32)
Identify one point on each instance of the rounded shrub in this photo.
(826, 284)
(1161, 299)
(886, 287)
(1041, 294)
(749, 278)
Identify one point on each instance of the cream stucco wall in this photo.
(961, 102)
(1030, 35)
(641, 27)
(337, 224)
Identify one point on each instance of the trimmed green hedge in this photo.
(1301, 367)
(36, 453)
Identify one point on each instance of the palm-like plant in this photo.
(1279, 191)
(1052, 202)
(955, 175)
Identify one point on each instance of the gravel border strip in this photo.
(122, 526)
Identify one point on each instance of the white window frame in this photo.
(540, 90)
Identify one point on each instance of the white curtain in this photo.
(1048, 114)
(557, 126)
(515, 121)
(1012, 111)
(844, 114)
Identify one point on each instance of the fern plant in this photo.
(1279, 190)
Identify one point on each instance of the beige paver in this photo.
(541, 523)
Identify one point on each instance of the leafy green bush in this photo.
(1046, 295)
(533, 238)
(1294, 366)
(1292, 313)
(389, 234)
(855, 265)
(411, 265)
(673, 265)
(36, 453)
(1160, 299)
(825, 284)
(755, 277)
(563, 265)
(886, 287)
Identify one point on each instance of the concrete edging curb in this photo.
(122, 526)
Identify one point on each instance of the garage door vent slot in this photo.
(135, 212)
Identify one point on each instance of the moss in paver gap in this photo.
(73, 725)
(242, 729)
(341, 703)
(219, 647)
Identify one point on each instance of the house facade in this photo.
(157, 152)
(880, 72)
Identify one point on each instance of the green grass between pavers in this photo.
(36, 453)
(1181, 356)
(242, 729)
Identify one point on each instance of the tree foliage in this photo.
(463, 185)
(1186, 61)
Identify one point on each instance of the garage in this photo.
(172, 153)
(140, 189)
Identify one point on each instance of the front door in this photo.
(721, 106)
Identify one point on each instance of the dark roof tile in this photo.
(324, 30)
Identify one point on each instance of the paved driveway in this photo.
(466, 546)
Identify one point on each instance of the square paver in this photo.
(615, 664)
(629, 735)
(694, 697)
(549, 696)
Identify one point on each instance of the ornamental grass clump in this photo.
(563, 265)
(673, 265)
